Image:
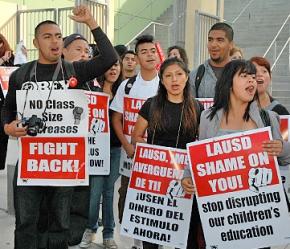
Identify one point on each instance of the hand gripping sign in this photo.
(239, 191)
(156, 208)
(54, 153)
(99, 134)
(132, 107)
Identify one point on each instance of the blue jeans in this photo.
(104, 186)
(27, 202)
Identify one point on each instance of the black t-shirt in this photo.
(171, 116)
(84, 70)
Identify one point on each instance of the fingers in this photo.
(188, 186)
(273, 147)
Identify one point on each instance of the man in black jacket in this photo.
(27, 199)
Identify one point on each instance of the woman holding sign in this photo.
(174, 121)
(235, 109)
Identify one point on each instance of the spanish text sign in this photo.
(99, 133)
(132, 107)
(157, 209)
(239, 191)
(52, 161)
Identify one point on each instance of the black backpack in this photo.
(130, 84)
(198, 78)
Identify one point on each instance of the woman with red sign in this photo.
(235, 109)
(174, 121)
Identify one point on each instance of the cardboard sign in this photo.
(99, 133)
(52, 161)
(5, 73)
(207, 102)
(132, 107)
(63, 112)
(157, 209)
(285, 127)
(57, 153)
(239, 191)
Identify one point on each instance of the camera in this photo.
(34, 125)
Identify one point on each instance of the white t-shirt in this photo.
(141, 89)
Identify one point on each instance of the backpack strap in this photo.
(130, 84)
(198, 78)
(265, 117)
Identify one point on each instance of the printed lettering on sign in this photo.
(157, 208)
(239, 191)
(132, 107)
(53, 161)
(98, 133)
(63, 113)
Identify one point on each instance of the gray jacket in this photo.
(209, 128)
(207, 85)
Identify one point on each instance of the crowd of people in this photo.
(61, 216)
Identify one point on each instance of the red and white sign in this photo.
(55, 156)
(285, 127)
(157, 209)
(207, 102)
(5, 73)
(52, 161)
(132, 107)
(239, 191)
(99, 133)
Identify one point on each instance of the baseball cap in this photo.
(69, 39)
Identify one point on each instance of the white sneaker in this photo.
(110, 244)
(88, 238)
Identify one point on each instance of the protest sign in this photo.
(55, 151)
(4, 77)
(156, 209)
(207, 102)
(52, 161)
(239, 191)
(99, 133)
(132, 107)
(63, 112)
(285, 127)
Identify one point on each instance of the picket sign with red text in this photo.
(239, 191)
(57, 155)
(132, 107)
(99, 133)
(285, 127)
(157, 209)
(5, 73)
(207, 102)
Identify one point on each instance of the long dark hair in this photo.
(224, 87)
(117, 83)
(189, 119)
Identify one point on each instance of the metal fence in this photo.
(203, 23)
(21, 25)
